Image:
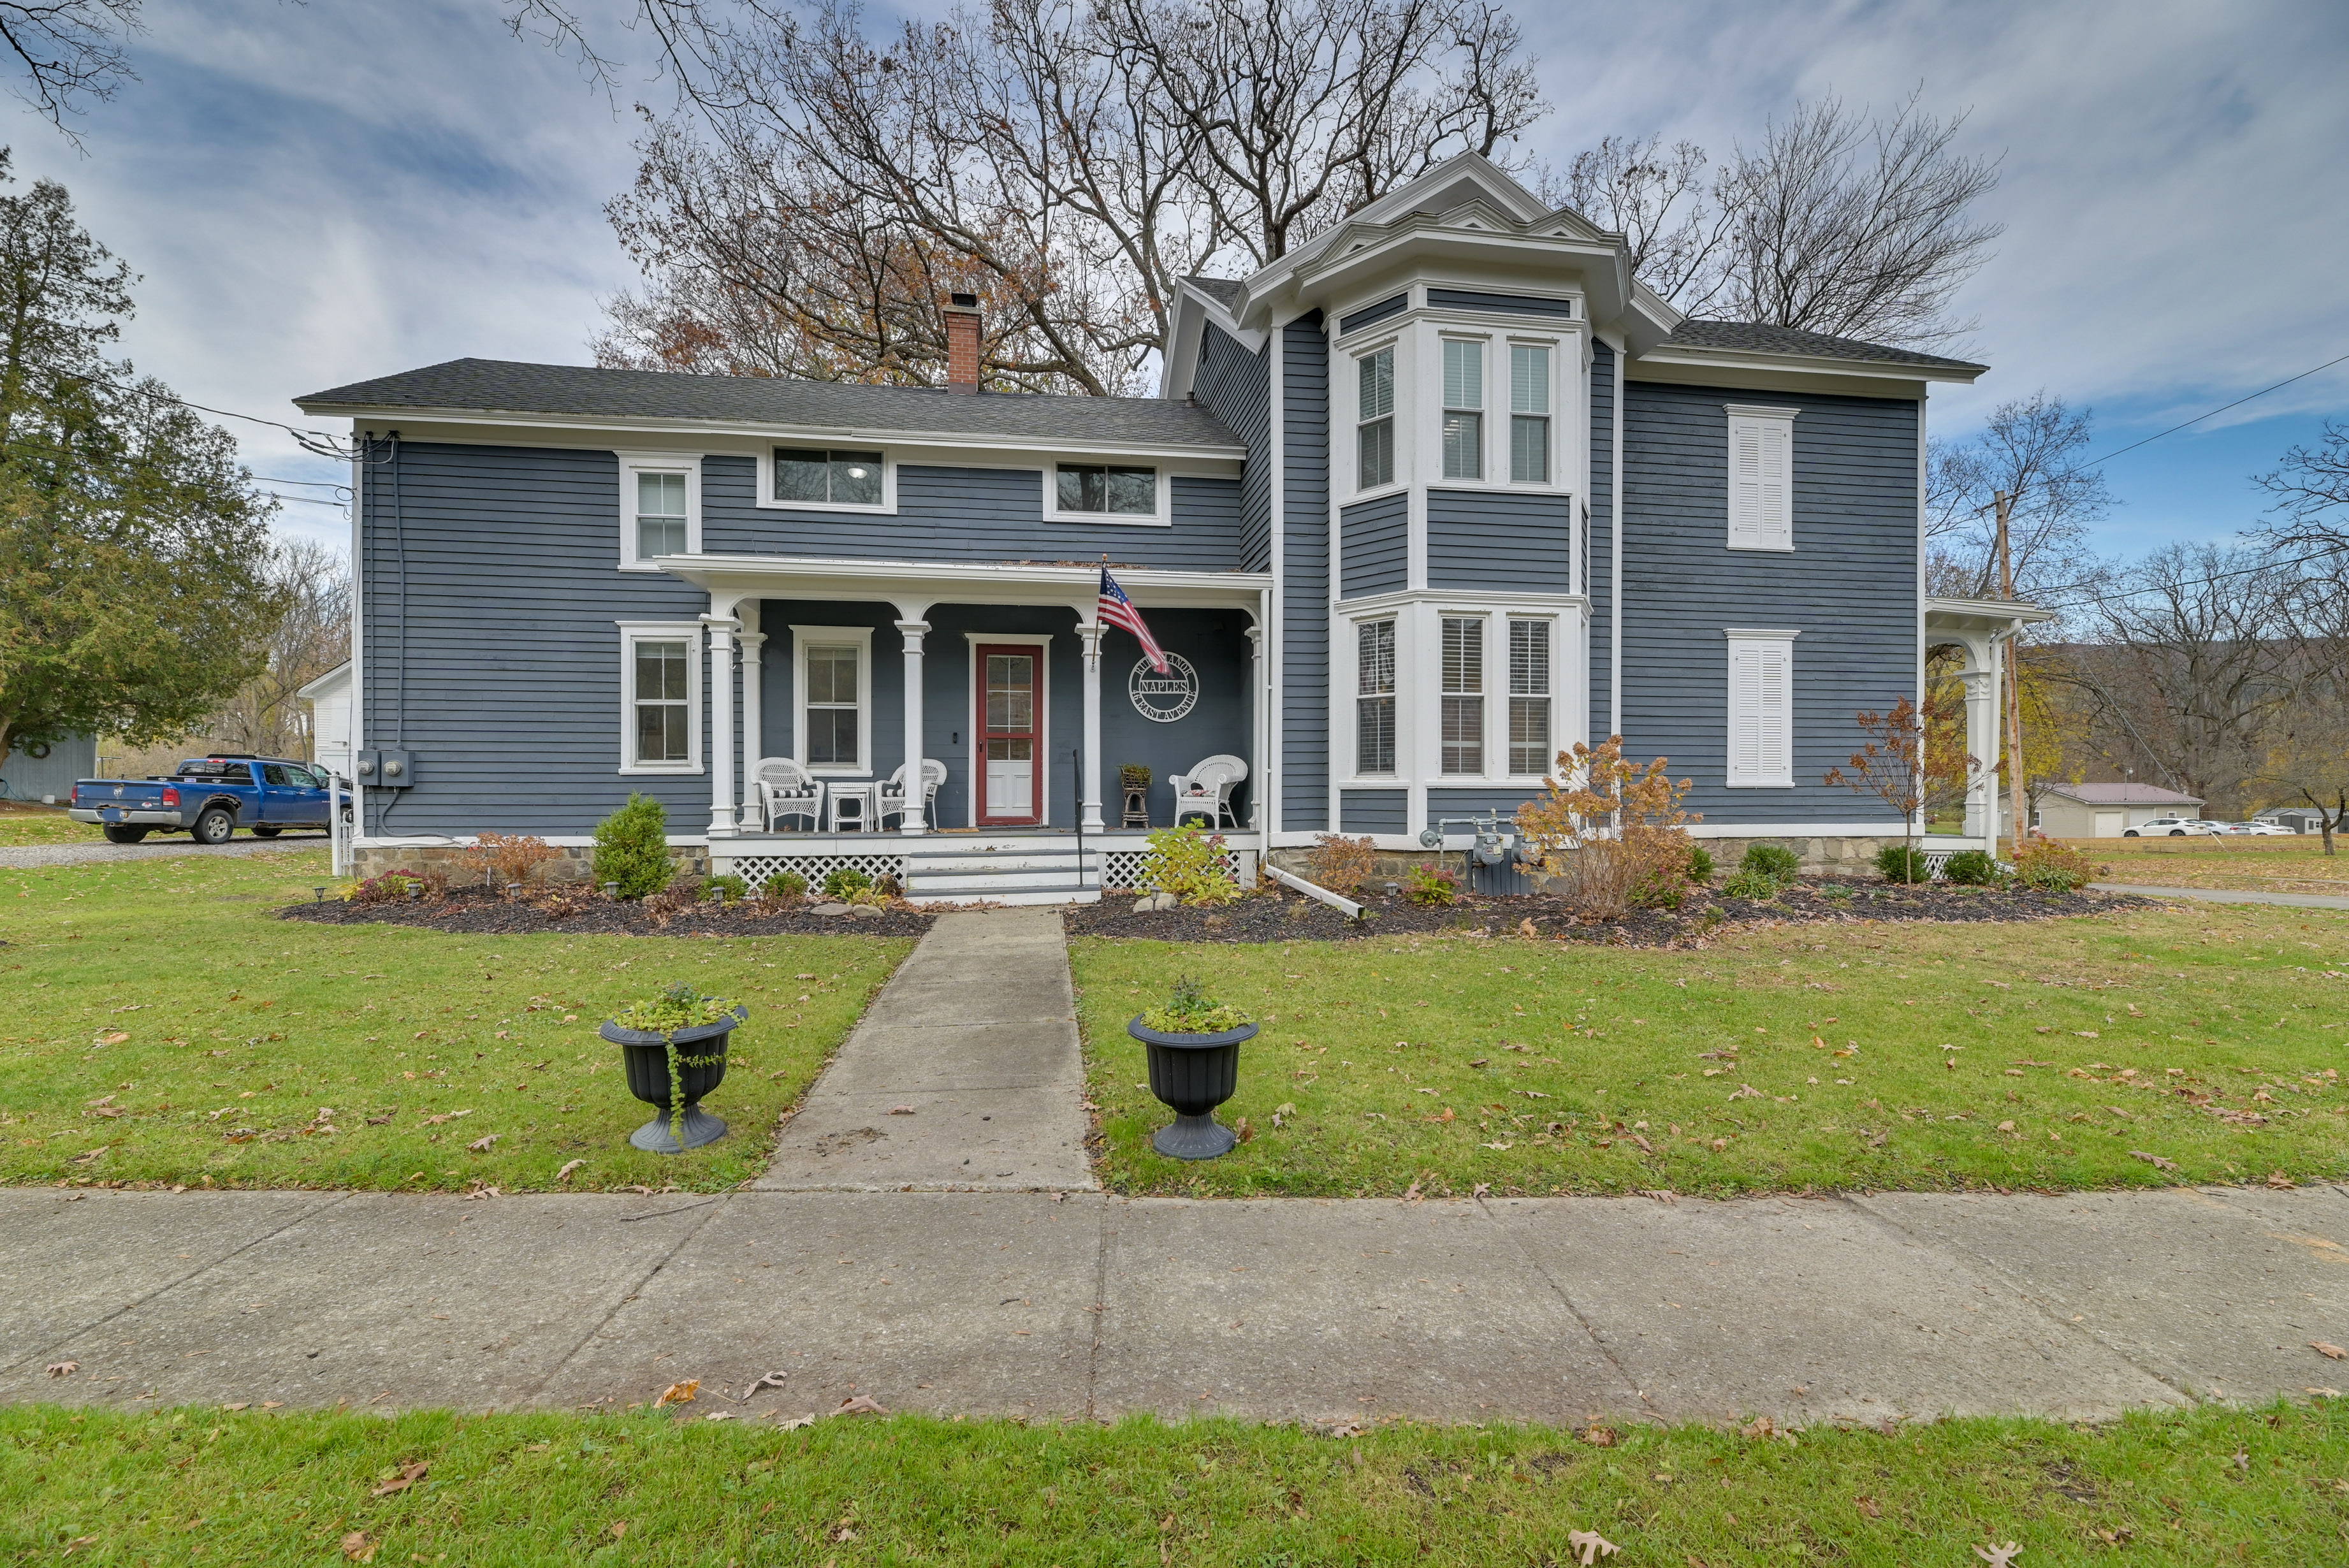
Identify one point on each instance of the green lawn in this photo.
(159, 1024)
(23, 824)
(2041, 1055)
(200, 1485)
(2256, 865)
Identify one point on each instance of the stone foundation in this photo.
(1838, 856)
(574, 862)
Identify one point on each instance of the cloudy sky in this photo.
(318, 192)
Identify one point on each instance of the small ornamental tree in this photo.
(632, 848)
(1901, 765)
(1610, 831)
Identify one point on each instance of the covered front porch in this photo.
(1982, 629)
(1006, 680)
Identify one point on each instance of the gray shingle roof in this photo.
(2124, 795)
(1753, 338)
(502, 386)
(1223, 291)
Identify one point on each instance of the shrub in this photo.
(1191, 1011)
(784, 887)
(1344, 865)
(1431, 887)
(1970, 867)
(632, 848)
(1900, 863)
(1746, 883)
(2052, 867)
(391, 886)
(504, 857)
(1699, 866)
(846, 882)
(1609, 832)
(731, 888)
(673, 900)
(1184, 861)
(1133, 775)
(1777, 861)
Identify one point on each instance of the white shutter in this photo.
(1776, 522)
(1761, 729)
(1746, 484)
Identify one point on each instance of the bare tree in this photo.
(2307, 756)
(2028, 452)
(265, 715)
(68, 52)
(2311, 491)
(1660, 199)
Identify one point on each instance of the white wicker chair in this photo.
(786, 790)
(1206, 791)
(893, 794)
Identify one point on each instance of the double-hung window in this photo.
(662, 671)
(1761, 710)
(1529, 743)
(1374, 420)
(835, 708)
(1761, 478)
(827, 478)
(1528, 414)
(660, 515)
(1463, 693)
(1374, 704)
(1463, 403)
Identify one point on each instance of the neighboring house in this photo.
(1434, 496)
(46, 772)
(331, 712)
(2105, 810)
(2299, 819)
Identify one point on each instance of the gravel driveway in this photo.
(23, 855)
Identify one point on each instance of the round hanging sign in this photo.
(1164, 699)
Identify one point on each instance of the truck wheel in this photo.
(117, 833)
(214, 826)
(266, 830)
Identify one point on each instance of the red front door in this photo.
(1009, 729)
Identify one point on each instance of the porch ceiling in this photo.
(729, 578)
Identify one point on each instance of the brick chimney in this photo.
(962, 342)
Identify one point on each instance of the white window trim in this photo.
(973, 765)
(1776, 534)
(1740, 638)
(766, 471)
(631, 634)
(635, 463)
(1163, 517)
(1397, 417)
(1556, 633)
(863, 638)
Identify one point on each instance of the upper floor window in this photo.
(660, 506)
(660, 515)
(1375, 419)
(1761, 478)
(1374, 704)
(1463, 403)
(1463, 693)
(828, 478)
(1528, 414)
(1119, 492)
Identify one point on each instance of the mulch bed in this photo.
(479, 914)
(1292, 917)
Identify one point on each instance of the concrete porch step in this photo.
(1065, 892)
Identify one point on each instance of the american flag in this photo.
(1119, 611)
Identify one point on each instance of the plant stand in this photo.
(645, 1055)
(1193, 1074)
(1137, 807)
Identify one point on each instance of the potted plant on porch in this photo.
(1194, 1046)
(673, 1049)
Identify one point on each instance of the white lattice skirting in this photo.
(756, 869)
(1935, 860)
(1120, 870)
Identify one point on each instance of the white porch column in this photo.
(1256, 727)
(1982, 745)
(1090, 631)
(754, 643)
(721, 726)
(914, 632)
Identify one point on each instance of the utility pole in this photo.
(2015, 789)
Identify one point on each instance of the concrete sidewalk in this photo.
(26, 856)
(1059, 1306)
(2226, 895)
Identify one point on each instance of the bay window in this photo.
(1463, 695)
(1464, 402)
(1375, 419)
(1374, 703)
(1528, 414)
(1529, 697)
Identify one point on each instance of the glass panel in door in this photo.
(1008, 736)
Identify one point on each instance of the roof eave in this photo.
(1812, 364)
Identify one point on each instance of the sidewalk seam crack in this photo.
(531, 1393)
(1483, 1206)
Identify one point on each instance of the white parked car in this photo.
(2175, 827)
(2261, 830)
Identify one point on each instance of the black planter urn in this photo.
(700, 1069)
(1193, 1074)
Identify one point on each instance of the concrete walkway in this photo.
(24, 856)
(964, 1076)
(1059, 1305)
(2227, 895)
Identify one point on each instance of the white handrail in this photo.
(1345, 906)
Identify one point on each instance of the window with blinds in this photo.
(1528, 414)
(1375, 419)
(1530, 695)
(1761, 710)
(1463, 695)
(1463, 403)
(1374, 703)
(1760, 478)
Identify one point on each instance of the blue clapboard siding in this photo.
(1305, 585)
(1379, 312)
(1490, 539)
(1504, 799)
(511, 670)
(1236, 387)
(967, 515)
(1849, 586)
(1374, 545)
(1519, 304)
(1598, 566)
(1374, 810)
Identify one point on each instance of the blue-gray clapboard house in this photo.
(1422, 503)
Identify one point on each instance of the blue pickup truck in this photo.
(209, 798)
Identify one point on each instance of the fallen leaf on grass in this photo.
(2281, 1183)
(722, 1416)
(678, 1393)
(481, 1145)
(1599, 1437)
(1999, 1556)
(2156, 1161)
(409, 1474)
(2327, 1349)
(568, 1167)
(1762, 1427)
(1591, 1544)
(359, 1546)
(112, 1037)
(1746, 1091)
(796, 1422)
(1871, 1507)
(860, 1404)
